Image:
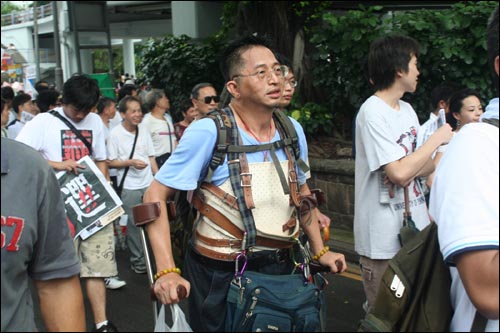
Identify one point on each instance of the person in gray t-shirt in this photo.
(36, 244)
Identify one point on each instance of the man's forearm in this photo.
(61, 304)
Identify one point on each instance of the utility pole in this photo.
(58, 71)
(35, 33)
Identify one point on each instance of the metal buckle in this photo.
(225, 200)
(233, 244)
(246, 174)
(233, 161)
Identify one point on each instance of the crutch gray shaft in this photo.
(149, 269)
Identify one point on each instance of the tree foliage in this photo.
(329, 50)
(176, 64)
(453, 43)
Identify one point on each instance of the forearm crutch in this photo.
(144, 214)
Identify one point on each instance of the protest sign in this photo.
(90, 202)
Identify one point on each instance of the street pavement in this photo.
(131, 310)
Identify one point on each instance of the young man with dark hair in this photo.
(466, 211)
(387, 159)
(25, 109)
(62, 148)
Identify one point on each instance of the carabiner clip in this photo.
(237, 272)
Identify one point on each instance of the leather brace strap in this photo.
(246, 181)
(224, 196)
(223, 222)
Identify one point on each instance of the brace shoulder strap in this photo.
(223, 124)
(290, 137)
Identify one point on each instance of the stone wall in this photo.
(336, 179)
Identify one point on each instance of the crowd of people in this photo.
(451, 171)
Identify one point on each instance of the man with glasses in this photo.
(254, 79)
(204, 98)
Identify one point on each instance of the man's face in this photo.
(410, 78)
(288, 90)
(190, 114)
(163, 103)
(264, 89)
(111, 110)
(201, 104)
(30, 107)
(133, 115)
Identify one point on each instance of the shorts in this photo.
(97, 254)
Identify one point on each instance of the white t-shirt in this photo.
(120, 145)
(162, 133)
(56, 142)
(464, 204)
(383, 135)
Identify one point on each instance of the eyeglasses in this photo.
(292, 83)
(208, 99)
(278, 71)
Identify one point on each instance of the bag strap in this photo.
(491, 121)
(479, 323)
(74, 129)
(169, 133)
(120, 187)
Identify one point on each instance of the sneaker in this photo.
(114, 282)
(109, 327)
(138, 270)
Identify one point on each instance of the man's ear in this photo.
(233, 88)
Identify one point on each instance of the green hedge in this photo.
(453, 43)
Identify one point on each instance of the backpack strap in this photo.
(491, 121)
(291, 137)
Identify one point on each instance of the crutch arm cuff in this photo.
(146, 212)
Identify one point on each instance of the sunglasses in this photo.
(208, 99)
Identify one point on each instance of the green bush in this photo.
(176, 64)
(453, 45)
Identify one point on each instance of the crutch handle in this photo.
(181, 292)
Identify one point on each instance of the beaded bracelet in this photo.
(323, 251)
(166, 271)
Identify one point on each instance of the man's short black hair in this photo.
(8, 93)
(123, 104)
(19, 100)
(103, 103)
(46, 98)
(81, 91)
(231, 57)
(195, 93)
(41, 86)
(387, 56)
(442, 93)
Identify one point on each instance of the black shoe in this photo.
(109, 327)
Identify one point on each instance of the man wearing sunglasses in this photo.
(204, 98)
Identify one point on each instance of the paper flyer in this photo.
(91, 203)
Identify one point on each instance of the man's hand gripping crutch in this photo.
(167, 285)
